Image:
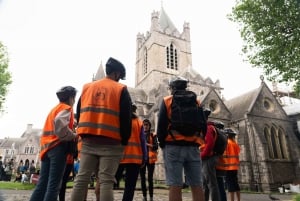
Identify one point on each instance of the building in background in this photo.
(268, 131)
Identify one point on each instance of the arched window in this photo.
(269, 142)
(145, 62)
(172, 57)
(276, 142)
(282, 144)
(273, 140)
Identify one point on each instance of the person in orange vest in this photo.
(104, 125)
(231, 157)
(58, 130)
(135, 155)
(221, 168)
(180, 152)
(152, 147)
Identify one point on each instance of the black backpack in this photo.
(221, 142)
(187, 117)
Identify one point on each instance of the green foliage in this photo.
(271, 33)
(5, 76)
(16, 185)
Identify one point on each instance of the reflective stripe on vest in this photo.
(133, 150)
(230, 159)
(152, 155)
(100, 109)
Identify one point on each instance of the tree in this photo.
(271, 33)
(5, 76)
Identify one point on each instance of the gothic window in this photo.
(276, 142)
(172, 57)
(26, 150)
(282, 144)
(145, 62)
(269, 142)
(31, 151)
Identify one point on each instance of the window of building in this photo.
(214, 106)
(269, 142)
(145, 62)
(268, 104)
(172, 57)
(26, 151)
(276, 140)
(31, 151)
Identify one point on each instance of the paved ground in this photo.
(160, 195)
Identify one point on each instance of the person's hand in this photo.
(143, 165)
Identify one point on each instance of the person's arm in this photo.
(125, 116)
(78, 110)
(144, 145)
(162, 125)
(61, 126)
(209, 142)
(155, 142)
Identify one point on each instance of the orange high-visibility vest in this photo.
(230, 159)
(152, 155)
(133, 150)
(178, 136)
(49, 139)
(100, 109)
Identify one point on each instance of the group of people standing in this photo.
(113, 136)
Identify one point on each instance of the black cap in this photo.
(64, 93)
(229, 131)
(113, 65)
(179, 83)
(218, 124)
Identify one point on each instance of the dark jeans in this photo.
(222, 188)
(211, 188)
(62, 192)
(119, 176)
(131, 176)
(52, 170)
(150, 168)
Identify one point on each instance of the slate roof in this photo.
(242, 104)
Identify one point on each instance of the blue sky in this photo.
(56, 43)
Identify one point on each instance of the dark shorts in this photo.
(232, 181)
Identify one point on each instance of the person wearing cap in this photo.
(180, 152)
(135, 155)
(57, 131)
(221, 167)
(231, 156)
(104, 126)
(152, 147)
(209, 162)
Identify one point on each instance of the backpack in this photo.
(220, 143)
(187, 117)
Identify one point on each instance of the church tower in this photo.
(162, 53)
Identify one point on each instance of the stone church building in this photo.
(267, 135)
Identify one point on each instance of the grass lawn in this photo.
(16, 185)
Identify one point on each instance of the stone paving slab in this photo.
(159, 195)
